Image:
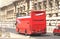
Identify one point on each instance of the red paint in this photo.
(57, 30)
(34, 24)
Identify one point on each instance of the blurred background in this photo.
(9, 9)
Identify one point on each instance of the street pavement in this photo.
(14, 34)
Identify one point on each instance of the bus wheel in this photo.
(18, 31)
(54, 34)
(26, 32)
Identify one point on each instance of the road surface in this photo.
(14, 34)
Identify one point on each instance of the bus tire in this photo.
(54, 34)
(26, 32)
(18, 31)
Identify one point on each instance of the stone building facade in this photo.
(52, 8)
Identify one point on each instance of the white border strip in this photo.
(25, 17)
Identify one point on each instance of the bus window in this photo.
(21, 14)
(18, 14)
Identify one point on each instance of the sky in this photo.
(5, 2)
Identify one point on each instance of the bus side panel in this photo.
(39, 21)
(19, 25)
(24, 26)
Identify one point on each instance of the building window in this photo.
(50, 3)
(10, 12)
(57, 3)
(18, 10)
(53, 20)
(56, 14)
(35, 6)
(58, 19)
(23, 7)
(49, 24)
(39, 5)
(47, 20)
(50, 15)
(45, 3)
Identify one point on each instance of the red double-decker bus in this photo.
(33, 24)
